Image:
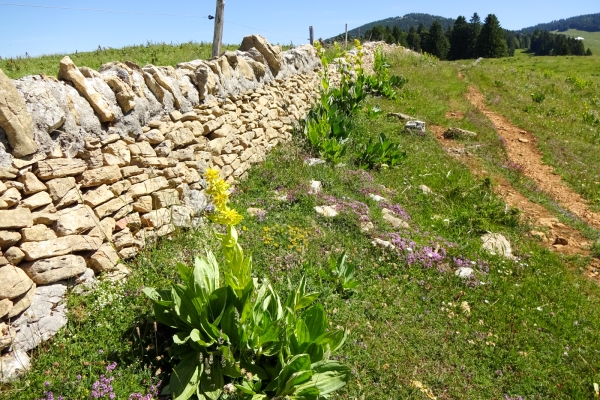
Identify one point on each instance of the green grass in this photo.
(533, 328)
(150, 53)
(592, 39)
(566, 123)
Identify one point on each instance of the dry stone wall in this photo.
(96, 164)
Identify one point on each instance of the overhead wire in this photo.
(142, 13)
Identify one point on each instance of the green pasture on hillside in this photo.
(592, 39)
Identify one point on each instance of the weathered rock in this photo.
(425, 189)
(50, 270)
(60, 246)
(104, 230)
(15, 120)
(181, 216)
(196, 200)
(59, 168)
(142, 149)
(14, 255)
(59, 187)
(73, 196)
(271, 53)
(11, 197)
(37, 200)
(37, 233)
(165, 198)
(13, 365)
(5, 306)
(117, 154)
(496, 243)
(14, 282)
(415, 125)
(22, 302)
(112, 206)
(45, 317)
(31, 184)
(15, 219)
(156, 218)
(94, 198)
(464, 272)
(104, 259)
(326, 211)
(123, 93)
(69, 72)
(143, 204)
(8, 238)
(75, 220)
(7, 334)
(181, 137)
(101, 176)
(148, 187)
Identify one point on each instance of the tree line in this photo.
(589, 23)
(474, 39)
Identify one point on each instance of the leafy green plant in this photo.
(343, 273)
(241, 337)
(382, 152)
(373, 112)
(538, 97)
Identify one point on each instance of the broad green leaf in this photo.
(230, 323)
(162, 297)
(297, 363)
(184, 378)
(245, 389)
(186, 274)
(206, 276)
(302, 332)
(328, 377)
(181, 337)
(184, 308)
(165, 315)
(216, 304)
(211, 385)
(316, 321)
(230, 368)
(297, 378)
(335, 339)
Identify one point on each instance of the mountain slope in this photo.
(588, 23)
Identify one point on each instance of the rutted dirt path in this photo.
(522, 150)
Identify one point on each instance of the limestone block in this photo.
(22, 302)
(147, 187)
(104, 259)
(123, 93)
(156, 218)
(165, 198)
(9, 238)
(104, 230)
(142, 149)
(119, 187)
(60, 246)
(272, 54)
(58, 188)
(15, 120)
(101, 176)
(37, 200)
(14, 255)
(13, 365)
(139, 178)
(15, 219)
(117, 154)
(75, 220)
(11, 197)
(73, 196)
(143, 204)
(5, 306)
(44, 216)
(2, 187)
(69, 72)
(181, 137)
(95, 197)
(125, 239)
(165, 230)
(59, 168)
(15, 282)
(164, 149)
(153, 136)
(158, 162)
(50, 270)
(31, 184)
(37, 233)
(113, 205)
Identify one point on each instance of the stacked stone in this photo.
(98, 192)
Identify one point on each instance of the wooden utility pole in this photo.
(218, 37)
(346, 42)
(311, 34)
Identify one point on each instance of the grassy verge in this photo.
(556, 98)
(150, 53)
(531, 329)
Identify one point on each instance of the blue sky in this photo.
(46, 31)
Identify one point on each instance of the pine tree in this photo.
(491, 42)
(588, 52)
(459, 40)
(436, 42)
(413, 39)
(475, 29)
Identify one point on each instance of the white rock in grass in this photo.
(326, 211)
(14, 364)
(314, 161)
(315, 187)
(377, 197)
(382, 243)
(464, 272)
(496, 243)
(425, 189)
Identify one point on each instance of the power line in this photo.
(99, 10)
(143, 13)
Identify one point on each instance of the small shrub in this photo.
(380, 153)
(538, 97)
(343, 274)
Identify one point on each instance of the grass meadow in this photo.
(524, 328)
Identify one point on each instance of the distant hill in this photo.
(588, 23)
(404, 23)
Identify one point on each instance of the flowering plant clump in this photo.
(238, 340)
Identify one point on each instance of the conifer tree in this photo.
(491, 42)
(436, 42)
(459, 40)
(413, 39)
(475, 29)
